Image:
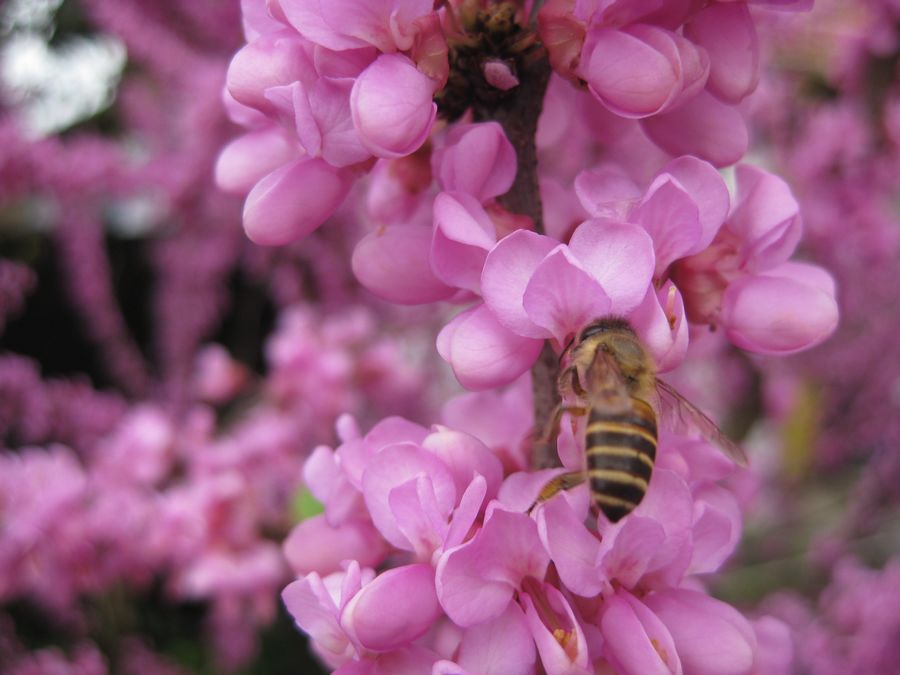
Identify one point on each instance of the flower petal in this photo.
(766, 217)
(702, 126)
(637, 642)
(246, 159)
(293, 200)
(397, 607)
(396, 465)
(779, 312)
(393, 264)
(483, 353)
(712, 638)
(633, 73)
(476, 580)
(315, 546)
(392, 107)
(478, 160)
(562, 297)
(707, 189)
(619, 256)
(726, 31)
(501, 646)
(463, 235)
(507, 271)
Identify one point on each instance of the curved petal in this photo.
(637, 642)
(574, 550)
(662, 325)
(501, 646)
(766, 217)
(712, 638)
(561, 644)
(393, 264)
(293, 200)
(707, 189)
(772, 314)
(671, 218)
(463, 235)
(466, 457)
(397, 607)
(561, 297)
(606, 192)
(476, 581)
(392, 107)
(248, 158)
(478, 160)
(316, 546)
(619, 256)
(702, 126)
(633, 73)
(507, 271)
(726, 31)
(307, 18)
(483, 353)
(717, 528)
(397, 465)
(272, 60)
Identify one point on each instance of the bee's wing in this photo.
(679, 414)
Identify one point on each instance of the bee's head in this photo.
(608, 324)
(616, 337)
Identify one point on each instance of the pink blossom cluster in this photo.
(426, 558)
(183, 498)
(326, 89)
(664, 256)
(852, 628)
(841, 149)
(669, 252)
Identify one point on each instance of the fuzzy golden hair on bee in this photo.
(612, 377)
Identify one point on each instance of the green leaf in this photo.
(305, 505)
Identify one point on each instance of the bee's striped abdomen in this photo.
(621, 449)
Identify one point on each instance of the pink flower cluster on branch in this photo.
(324, 89)
(474, 584)
(637, 223)
(118, 497)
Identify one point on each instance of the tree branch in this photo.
(518, 115)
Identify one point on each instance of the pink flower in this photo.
(711, 637)
(293, 200)
(392, 107)
(248, 158)
(786, 309)
(393, 264)
(727, 33)
(393, 609)
(638, 642)
(316, 604)
(271, 60)
(389, 25)
(641, 70)
(535, 288)
(476, 580)
(746, 269)
(476, 159)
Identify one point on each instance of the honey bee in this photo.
(610, 372)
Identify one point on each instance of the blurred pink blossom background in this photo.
(278, 280)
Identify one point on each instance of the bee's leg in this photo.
(564, 481)
(569, 380)
(552, 430)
